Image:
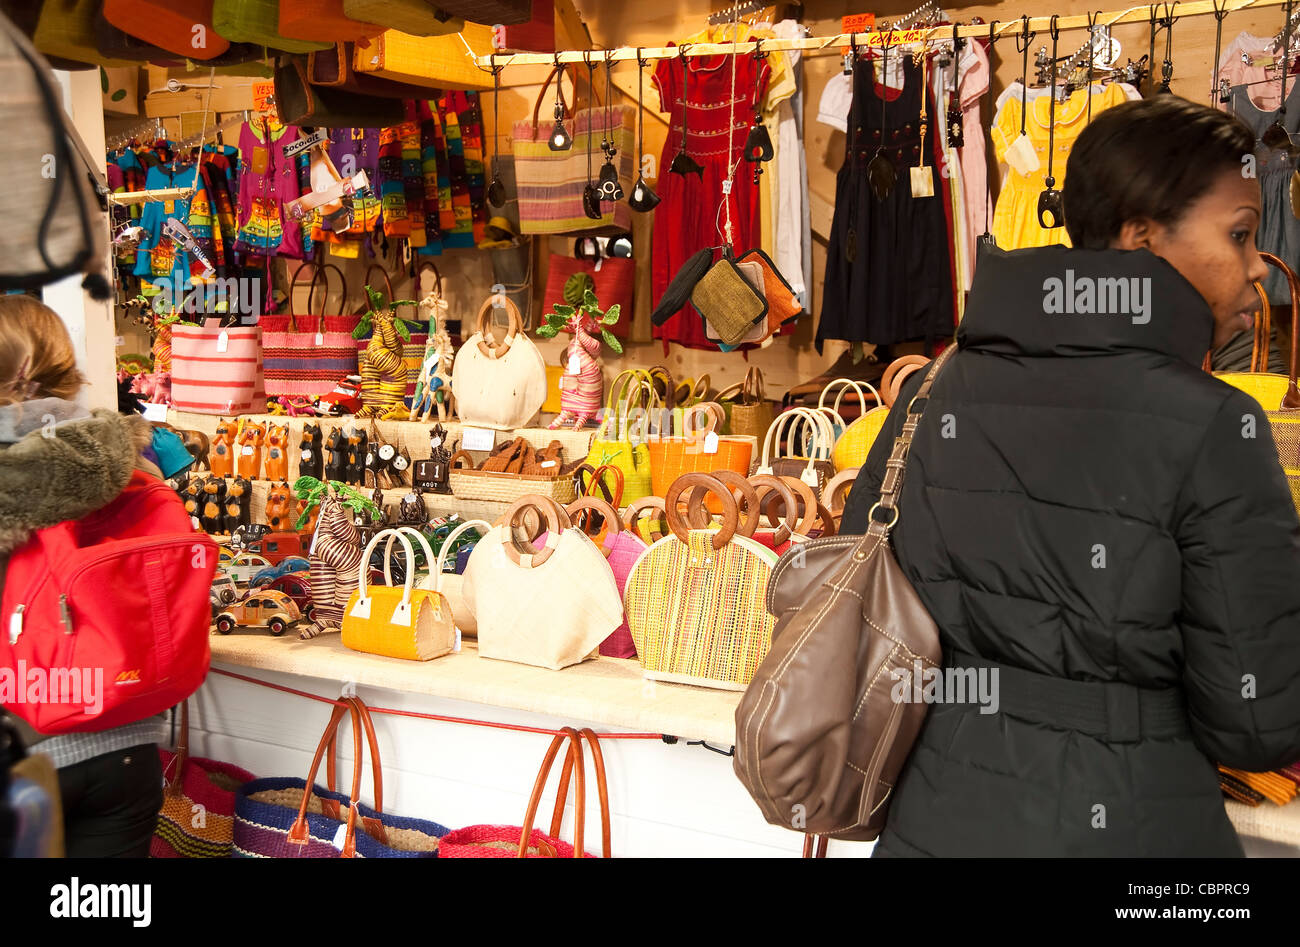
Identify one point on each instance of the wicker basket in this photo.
(486, 485)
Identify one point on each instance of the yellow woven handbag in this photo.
(697, 448)
(622, 442)
(407, 622)
(439, 62)
(853, 441)
(1277, 394)
(695, 599)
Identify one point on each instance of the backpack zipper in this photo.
(66, 614)
(16, 624)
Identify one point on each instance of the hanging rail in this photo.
(815, 45)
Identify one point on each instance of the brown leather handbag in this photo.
(820, 740)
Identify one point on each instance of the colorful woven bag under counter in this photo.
(197, 816)
(696, 599)
(1277, 394)
(217, 371)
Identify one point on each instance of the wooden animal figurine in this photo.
(222, 455)
(433, 389)
(280, 509)
(335, 558)
(355, 469)
(310, 525)
(399, 466)
(383, 373)
(238, 505)
(196, 442)
(277, 452)
(336, 456)
(413, 511)
(192, 494)
(581, 385)
(214, 495)
(311, 462)
(248, 456)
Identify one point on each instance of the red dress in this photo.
(689, 216)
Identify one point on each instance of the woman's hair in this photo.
(36, 355)
(1147, 159)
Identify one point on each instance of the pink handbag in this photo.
(218, 371)
(622, 548)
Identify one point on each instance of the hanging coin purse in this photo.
(728, 301)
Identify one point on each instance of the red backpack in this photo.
(105, 619)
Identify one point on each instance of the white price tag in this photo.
(119, 340)
(248, 450)
(456, 649)
(341, 836)
(155, 412)
(320, 338)
(711, 442)
(547, 463)
(477, 438)
(575, 365)
(726, 187)
(223, 341)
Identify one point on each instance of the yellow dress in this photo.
(1015, 219)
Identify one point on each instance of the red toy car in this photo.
(344, 399)
(296, 585)
(276, 547)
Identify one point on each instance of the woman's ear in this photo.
(1139, 233)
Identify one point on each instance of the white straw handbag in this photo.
(502, 384)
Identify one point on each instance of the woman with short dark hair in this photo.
(1098, 524)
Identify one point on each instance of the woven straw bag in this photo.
(470, 484)
(695, 599)
(853, 440)
(550, 607)
(622, 439)
(218, 371)
(1277, 394)
(808, 438)
(295, 818)
(307, 353)
(189, 782)
(415, 624)
(697, 448)
(436, 62)
(621, 549)
(507, 841)
(169, 25)
(750, 414)
(415, 17)
(322, 21)
(500, 385)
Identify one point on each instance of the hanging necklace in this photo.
(496, 191)
(683, 164)
(1050, 214)
(611, 189)
(643, 197)
(881, 171)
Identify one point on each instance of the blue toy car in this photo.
(283, 567)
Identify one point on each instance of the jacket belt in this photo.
(1113, 711)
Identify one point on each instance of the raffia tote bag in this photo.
(696, 598)
(622, 439)
(306, 353)
(1277, 394)
(411, 623)
(550, 607)
(500, 385)
(799, 444)
(853, 440)
(218, 371)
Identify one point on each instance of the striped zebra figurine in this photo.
(582, 384)
(335, 557)
(383, 372)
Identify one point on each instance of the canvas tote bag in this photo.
(500, 385)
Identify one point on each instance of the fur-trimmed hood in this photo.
(59, 461)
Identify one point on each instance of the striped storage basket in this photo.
(218, 371)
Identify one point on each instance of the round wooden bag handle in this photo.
(836, 492)
(890, 382)
(464, 457)
(747, 499)
(437, 276)
(771, 489)
(530, 558)
(730, 513)
(827, 520)
(637, 508)
(481, 325)
(609, 517)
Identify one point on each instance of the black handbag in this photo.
(301, 103)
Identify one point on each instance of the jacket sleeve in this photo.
(1240, 544)
(866, 489)
(74, 471)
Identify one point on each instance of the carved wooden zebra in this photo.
(335, 557)
(383, 373)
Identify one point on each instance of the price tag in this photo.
(341, 836)
(119, 341)
(547, 463)
(169, 207)
(306, 456)
(456, 648)
(247, 451)
(264, 95)
(575, 365)
(155, 412)
(477, 438)
(223, 341)
(711, 442)
(320, 338)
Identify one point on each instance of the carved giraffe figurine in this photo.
(434, 385)
(383, 373)
(582, 384)
(335, 558)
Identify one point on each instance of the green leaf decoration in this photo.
(103, 86)
(565, 311)
(362, 327)
(611, 341)
(304, 485)
(547, 332)
(402, 330)
(611, 314)
(576, 287)
(589, 301)
(118, 96)
(376, 298)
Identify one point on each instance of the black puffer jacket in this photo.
(1096, 513)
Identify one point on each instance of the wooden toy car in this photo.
(276, 547)
(344, 399)
(297, 585)
(269, 608)
(223, 591)
(268, 575)
(244, 567)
